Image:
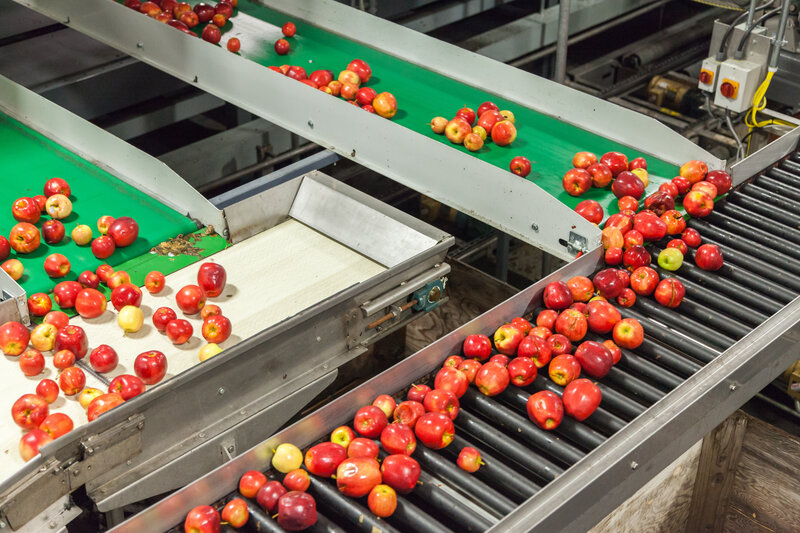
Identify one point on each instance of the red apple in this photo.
(179, 330)
(24, 238)
(90, 303)
(163, 316)
(639, 162)
(650, 226)
(679, 245)
(457, 130)
(633, 238)
(89, 280)
(103, 359)
(386, 403)
(613, 256)
(355, 477)
(545, 409)
(453, 380)
(385, 105)
(635, 257)
(694, 171)
(58, 206)
(203, 518)
(708, 257)
(577, 181)
(626, 298)
(211, 278)
(102, 404)
(470, 367)
(436, 430)
(706, 187)
(504, 133)
(522, 371)
(362, 448)
(382, 501)
(104, 272)
(56, 186)
(39, 304)
(401, 472)
(47, 389)
(126, 294)
(477, 346)
(297, 479)
(5, 248)
(591, 210)
(581, 288)
(601, 175)
(408, 413)
(268, 495)
(581, 398)
(492, 379)
(127, 386)
(31, 362)
(66, 292)
(720, 179)
(583, 159)
(417, 393)
(500, 359)
(547, 318)
(558, 344)
(72, 380)
(557, 295)
(29, 411)
(691, 237)
(213, 35)
(674, 221)
(63, 359)
(103, 247)
(14, 338)
(616, 162)
(190, 299)
(595, 359)
(72, 338)
(236, 513)
(26, 210)
(323, 459)
(572, 324)
(670, 292)
(369, 421)
(644, 280)
(683, 185)
(669, 188)
(563, 369)
(441, 401)
(698, 204)
(507, 338)
(627, 184)
(87, 395)
(601, 316)
(154, 282)
(622, 222)
(399, 438)
(30, 443)
(628, 333)
(150, 366)
(520, 165)
(536, 349)
(216, 329)
(521, 324)
(124, 230)
(608, 283)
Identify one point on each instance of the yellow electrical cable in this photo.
(759, 103)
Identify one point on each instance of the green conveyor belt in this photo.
(423, 94)
(28, 159)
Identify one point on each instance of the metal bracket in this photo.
(577, 243)
(430, 296)
(56, 478)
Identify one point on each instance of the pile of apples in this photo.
(492, 123)
(25, 237)
(349, 85)
(181, 16)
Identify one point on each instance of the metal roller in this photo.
(768, 197)
(681, 323)
(642, 366)
(433, 493)
(411, 518)
(741, 227)
(640, 390)
(574, 431)
(759, 221)
(347, 509)
(692, 347)
(601, 419)
(764, 209)
(770, 184)
(540, 439)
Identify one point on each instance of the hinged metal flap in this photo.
(57, 477)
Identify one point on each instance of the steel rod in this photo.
(772, 185)
(764, 209)
(259, 521)
(562, 38)
(666, 356)
(737, 243)
(788, 174)
(348, 509)
(759, 221)
(473, 489)
(576, 432)
(676, 321)
(412, 518)
(634, 387)
(714, 299)
(495, 471)
(675, 339)
(764, 195)
(755, 235)
(521, 428)
(635, 363)
(537, 465)
(608, 423)
(430, 493)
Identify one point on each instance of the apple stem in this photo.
(481, 462)
(419, 482)
(275, 516)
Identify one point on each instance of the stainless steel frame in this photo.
(233, 401)
(479, 189)
(595, 485)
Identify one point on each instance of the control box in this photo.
(737, 82)
(707, 80)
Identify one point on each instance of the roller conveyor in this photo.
(709, 372)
